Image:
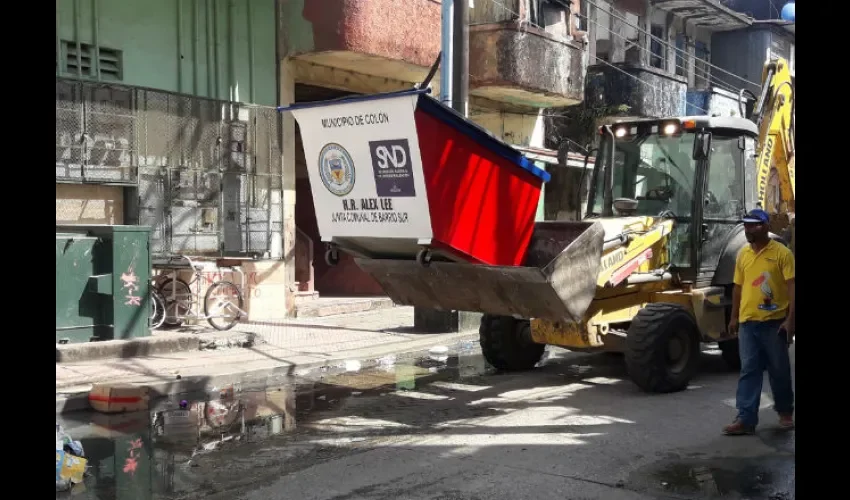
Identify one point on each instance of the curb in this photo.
(319, 310)
(76, 399)
(146, 346)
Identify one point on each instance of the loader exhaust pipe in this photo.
(617, 241)
(608, 172)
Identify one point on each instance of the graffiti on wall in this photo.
(130, 283)
(252, 283)
(132, 461)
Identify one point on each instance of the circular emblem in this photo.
(336, 169)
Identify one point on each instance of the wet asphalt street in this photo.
(448, 428)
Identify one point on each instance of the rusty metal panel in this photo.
(558, 282)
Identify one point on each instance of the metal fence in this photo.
(207, 172)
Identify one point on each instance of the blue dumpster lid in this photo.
(448, 116)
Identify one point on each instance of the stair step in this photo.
(333, 307)
(305, 297)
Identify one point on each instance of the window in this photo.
(791, 61)
(657, 171)
(681, 56)
(702, 77)
(656, 49)
(601, 27)
(725, 189)
(632, 36)
(551, 15)
(108, 62)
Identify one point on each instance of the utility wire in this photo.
(707, 75)
(664, 42)
(603, 61)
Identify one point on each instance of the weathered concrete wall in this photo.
(525, 67)
(646, 91)
(403, 31)
(721, 103)
(715, 102)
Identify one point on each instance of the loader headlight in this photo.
(620, 132)
(670, 129)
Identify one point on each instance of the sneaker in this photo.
(786, 422)
(738, 428)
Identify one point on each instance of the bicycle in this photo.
(180, 303)
(157, 317)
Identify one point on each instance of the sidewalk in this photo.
(279, 349)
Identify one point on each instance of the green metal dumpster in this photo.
(102, 282)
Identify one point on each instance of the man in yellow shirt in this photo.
(763, 309)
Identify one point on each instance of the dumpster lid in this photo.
(447, 115)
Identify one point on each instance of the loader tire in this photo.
(662, 348)
(730, 353)
(506, 343)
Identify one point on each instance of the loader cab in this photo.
(697, 171)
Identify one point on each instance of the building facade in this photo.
(653, 58)
(165, 114)
(524, 56)
(165, 117)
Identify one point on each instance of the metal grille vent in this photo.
(74, 63)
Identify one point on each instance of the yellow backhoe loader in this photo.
(774, 114)
(648, 271)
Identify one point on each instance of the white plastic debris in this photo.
(352, 365)
(388, 360)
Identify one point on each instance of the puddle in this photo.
(757, 478)
(155, 454)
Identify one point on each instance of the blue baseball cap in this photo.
(756, 216)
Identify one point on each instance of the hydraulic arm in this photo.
(774, 115)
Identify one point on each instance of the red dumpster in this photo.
(399, 175)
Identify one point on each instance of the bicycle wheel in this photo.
(157, 310)
(223, 305)
(178, 300)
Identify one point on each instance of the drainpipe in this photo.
(59, 66)
(231, 51)
(77, 15)
(208, 47)
(608, 172)
(446, 41)
(196, 35)
(95, 15)
(217, 94)
(179, 46)
(460, 57)
(250, 52)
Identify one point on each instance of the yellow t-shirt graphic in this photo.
(762, 277)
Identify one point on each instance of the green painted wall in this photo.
(297, 32)
(210, 48)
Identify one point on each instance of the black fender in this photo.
(725, 272)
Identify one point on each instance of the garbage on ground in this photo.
(70, 462)
(439, 353)
(352, 366)
(387, 362)
(117, 398)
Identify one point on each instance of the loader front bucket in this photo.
(557, 282)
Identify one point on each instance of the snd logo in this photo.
(336, 169)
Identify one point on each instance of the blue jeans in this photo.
(761, 348)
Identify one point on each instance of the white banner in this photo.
(365, 168)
